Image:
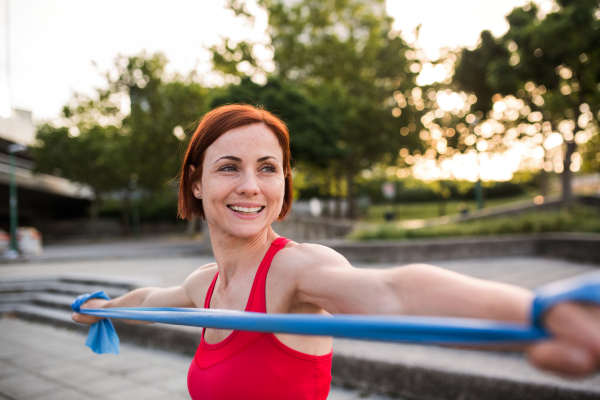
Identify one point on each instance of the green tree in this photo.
(344, 54)
(314, 131)
(557, 53)
(160, 111)
(129, 132)
(91, 157)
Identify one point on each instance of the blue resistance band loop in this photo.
(425, 330)
(102, 337)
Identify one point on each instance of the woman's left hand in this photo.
(574, 349)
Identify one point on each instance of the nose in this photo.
(249, 184)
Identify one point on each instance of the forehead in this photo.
(248, 140)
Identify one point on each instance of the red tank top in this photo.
(253, 365)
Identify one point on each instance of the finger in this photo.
(578, 323)
(94, 303)
(564, 358)
(84, 319)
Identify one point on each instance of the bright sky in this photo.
(453, 23)
(53, 43)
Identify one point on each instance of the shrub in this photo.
(581, 219)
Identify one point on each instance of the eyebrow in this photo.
(233, 158)
(229, 158)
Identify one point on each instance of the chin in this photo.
(247, 232)
(243, 229)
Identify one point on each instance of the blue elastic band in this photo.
(426, 330)
(584, 288)
(102, 337)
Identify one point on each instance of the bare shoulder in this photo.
(198, 281)
(303, 256)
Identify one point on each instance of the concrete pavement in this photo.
(525, 271)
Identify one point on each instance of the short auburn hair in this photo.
(212, 126)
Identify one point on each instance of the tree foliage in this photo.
(157, 107)
(552, 62)
(314, 131)
(129, 131)
(345, 55)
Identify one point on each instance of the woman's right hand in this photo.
(89, 319)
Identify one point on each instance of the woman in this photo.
(236, 174)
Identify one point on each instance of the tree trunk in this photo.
(351, 212)
(337, 212)
(567, 174)
(442, 206)
(127, 214)
(479, 195)
(544, 180)
(337, 209)
(94, 208)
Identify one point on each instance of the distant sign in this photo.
(389, 190)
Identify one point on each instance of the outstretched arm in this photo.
(330, 282)
(176, 296)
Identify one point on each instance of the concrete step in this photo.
(56, 286)
(75, 289)
(26, 286)
(107, 280)
(433, 372)
(50, 315)
(52, 300)
(181, 339)
(44, 299)
(124, 283)
(20, 297)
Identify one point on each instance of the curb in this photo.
(582, 247)
(414, 382)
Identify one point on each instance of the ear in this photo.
(197, 185)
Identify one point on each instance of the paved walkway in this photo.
(525, 271)
(43, 362)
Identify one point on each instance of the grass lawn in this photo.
(407, 211)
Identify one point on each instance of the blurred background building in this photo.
(43, 199)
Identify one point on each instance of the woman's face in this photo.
(242, 184)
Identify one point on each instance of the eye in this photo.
(228, 168)
(268, 168)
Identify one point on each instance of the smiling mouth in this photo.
(246, 210)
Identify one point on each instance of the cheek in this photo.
(215, 189)
(275, 190)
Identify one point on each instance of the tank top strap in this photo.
(257, 300)
(209, 293)
(255, 303)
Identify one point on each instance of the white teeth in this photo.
(246, 210)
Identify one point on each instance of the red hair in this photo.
(213, 125)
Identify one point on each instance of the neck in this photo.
(234, 254)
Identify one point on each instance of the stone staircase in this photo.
(49, 298)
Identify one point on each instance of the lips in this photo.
(246, 210)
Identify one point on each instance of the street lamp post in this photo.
(12, 150)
